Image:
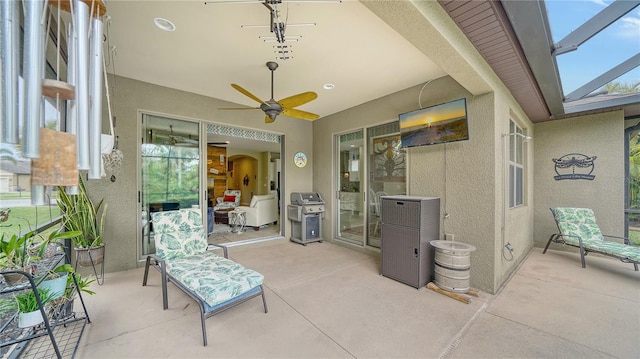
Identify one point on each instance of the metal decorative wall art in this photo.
(574, 166)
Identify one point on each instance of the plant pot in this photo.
(62, 309)
(31, 319)
(13, 279)
(51, 250)
(56, 286)
(87, 257)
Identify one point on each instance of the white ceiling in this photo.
(349, 46)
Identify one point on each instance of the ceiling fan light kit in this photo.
(273, 108)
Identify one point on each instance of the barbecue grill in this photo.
(306, 212)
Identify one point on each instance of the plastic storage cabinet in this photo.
(409, 223)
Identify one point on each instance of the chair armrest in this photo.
(572, 236)
(625, 240)
(159, 261)
(212, 246)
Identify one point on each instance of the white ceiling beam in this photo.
(614, 73)
(591, 27)
(531, 25)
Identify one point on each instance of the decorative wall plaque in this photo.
(574, 166)
(58, 164)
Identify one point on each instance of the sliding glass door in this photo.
(351, 211)
(170, 170)
(367, 171)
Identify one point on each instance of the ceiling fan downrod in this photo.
(272, 66)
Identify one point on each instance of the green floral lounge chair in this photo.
(182, 257)
(578, 228)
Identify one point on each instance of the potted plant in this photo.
(62, 307)
(56, 281)
(27, 305)
(79, 213)
(18, 252)
(14, 256)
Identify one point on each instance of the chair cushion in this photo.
(178, 233)
(616, 249)
(215, 279)
(581, 222)
(577, 222)
(229, 199)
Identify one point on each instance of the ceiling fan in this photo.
(273, 108)
(175, 140)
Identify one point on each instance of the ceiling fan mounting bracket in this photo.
(272, 65)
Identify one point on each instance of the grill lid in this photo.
(306, 198)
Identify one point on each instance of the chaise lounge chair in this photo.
(578, 228)
(182, 257)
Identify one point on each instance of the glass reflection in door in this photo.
(170, 165)
(387, 174)
(351, 214)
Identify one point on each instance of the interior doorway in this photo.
(252, 172)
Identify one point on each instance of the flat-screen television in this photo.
(446, 122)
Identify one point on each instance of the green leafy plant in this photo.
(71, 290)
(60, 271)
(83, 285)
(25, 302)
(13, 251)
(79, 213)
(53, 238)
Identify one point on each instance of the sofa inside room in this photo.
(262, 210)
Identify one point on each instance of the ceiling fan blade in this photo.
(238, 108)
(297, 100)
(268, 119)
(303, 115)
(247, 93)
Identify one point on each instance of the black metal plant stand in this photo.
(90, 258)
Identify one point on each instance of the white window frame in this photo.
(516, 165)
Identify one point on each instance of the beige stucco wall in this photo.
(473, 179)
(600, 135)
(131, 96)
(475, 193)
(474, 170)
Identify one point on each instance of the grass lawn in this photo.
(22, 219)
(15, 195)
(634, 236)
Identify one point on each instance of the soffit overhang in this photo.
(514, 38)
(487, 26)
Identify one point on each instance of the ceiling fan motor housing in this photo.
(271, 108)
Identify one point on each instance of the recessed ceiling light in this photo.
(164, 24)
(328, 86)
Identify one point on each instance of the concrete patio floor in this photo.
(327, 301)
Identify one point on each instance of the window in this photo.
(516, 165)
